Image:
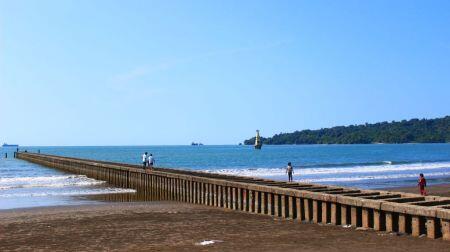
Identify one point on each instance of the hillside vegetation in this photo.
(406, 131)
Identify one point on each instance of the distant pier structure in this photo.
(258, 143)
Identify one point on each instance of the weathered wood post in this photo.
(257, 202)
(284, 206)
(325, 211)
(354, 216)
(379, 223)
(299, 209)
(334, 218)
(402, 223)
(270, 206)
(234, 192)
(240, 200)
(244, 199)
(307, 208)
(276, 203)
(415, 226)
(445, 227)
(432, 228)
(292, 207)
(316, 214)
(390, 222)
(365, 218)
(251, 201)
(263, 202)
(230, 198)
(216, 195)
(344, 216)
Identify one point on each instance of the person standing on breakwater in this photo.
(151, 161)
(144, 160)
(422, 183)
(289, 171)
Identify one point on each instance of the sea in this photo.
(23, 184)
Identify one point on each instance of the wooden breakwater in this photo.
(372, 209)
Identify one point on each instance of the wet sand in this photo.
(437, 190)
(172, 226)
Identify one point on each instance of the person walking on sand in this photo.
(422, 183)
(289, 171)
(151, 161)
(144, 160)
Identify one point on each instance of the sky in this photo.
(91, 72)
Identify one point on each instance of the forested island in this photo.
(406, 131)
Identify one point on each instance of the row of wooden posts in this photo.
(243, 195)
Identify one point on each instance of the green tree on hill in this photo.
(406, 131)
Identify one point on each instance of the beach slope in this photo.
(171, 226)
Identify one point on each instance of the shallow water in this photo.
(23, 184)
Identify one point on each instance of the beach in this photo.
(436, 190)
(173, 226)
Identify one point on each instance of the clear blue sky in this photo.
(172, 72)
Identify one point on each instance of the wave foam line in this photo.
(70, 193)
(90, 182)
(377, 177)
(40, 179)
(262, 172)
(49, 181)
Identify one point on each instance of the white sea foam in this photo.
(358, 169)
(70, 193)
(49, 181)
(55, 185)
(39, 179)
(375, 177)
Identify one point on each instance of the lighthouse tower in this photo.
(258, 143)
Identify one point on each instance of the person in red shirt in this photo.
(422, 183)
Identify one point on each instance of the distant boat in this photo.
(10, 145)
(258, 143)
(196, 144)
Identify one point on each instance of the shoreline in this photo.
(169, 226)
(442, 190)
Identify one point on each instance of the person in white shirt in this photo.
(290, 171)
(151, 161)
(144, 160)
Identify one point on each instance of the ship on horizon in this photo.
(10, 145)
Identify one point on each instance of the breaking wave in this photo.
(357, 169)
(375, 177)
(69, 193)
(48, 181)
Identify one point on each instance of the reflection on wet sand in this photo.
(144, 194)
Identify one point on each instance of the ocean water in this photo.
(363, 166)
(24, 184)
